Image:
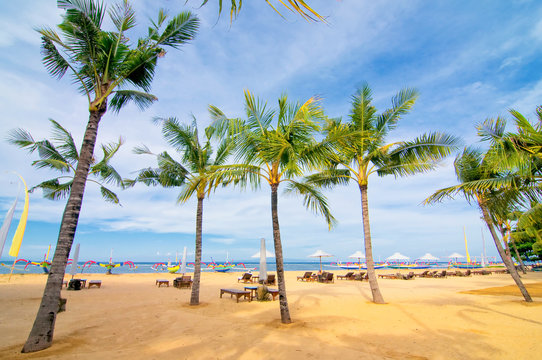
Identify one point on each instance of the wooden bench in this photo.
(161, 282)
(238, 293)
(97, 283)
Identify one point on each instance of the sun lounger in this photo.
(238, 293)
(347, 276)
(409, 276)
(361, 276)
(326, 277)
(97, 283)
(387, 276)
(245, 278)
(306, 277)
(271, 280)
(423, 274)
(161, 282)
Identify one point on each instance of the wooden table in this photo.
(97, 283)
(252, 290)
(238, 293)
(161, 282)
(273, 292)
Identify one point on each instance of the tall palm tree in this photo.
(110, 72)
(482, 184)
(296, 6)
(362, 150)
(277, 146)
(195, 173)
(64, 158)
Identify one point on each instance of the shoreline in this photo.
(129, 317)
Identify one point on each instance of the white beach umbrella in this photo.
(397, 257)
(358, 255)
(428, 257)
(455, 255)
(320, 254)
(263, 254)
(73, 270)
(183, 263)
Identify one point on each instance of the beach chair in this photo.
(245, 278)
(328, 278)
(360, 277)
(347, 276)
(270, 280)
(185, 282)
(423, 274)
(305, 277)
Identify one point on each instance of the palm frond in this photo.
(143, 149)
(22, 139)
(54, 190)
(53, 164)
(181, 29)
(123, 16)
(109, 195)
(402, 102)
(312, 199)
(54, 62)
(329, 178)
(122, 97)
(67, 147)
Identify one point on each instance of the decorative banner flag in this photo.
(5, 227)
(466, 248)
(19, 233)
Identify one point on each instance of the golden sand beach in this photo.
(129, 317)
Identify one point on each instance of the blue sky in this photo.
(470, 60)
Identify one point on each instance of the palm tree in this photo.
(277, 146)
(109, 72)
(64, 158)
(490, 190)
(194, 173)
(296, 6)
(362, 150)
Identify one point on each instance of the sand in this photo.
(130, 318)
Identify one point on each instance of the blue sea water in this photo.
(147, 267)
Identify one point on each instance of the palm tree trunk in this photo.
(41, 335)
(283, 301)
(194, 298)
(521, 264)
(373, 283)
(509, 265)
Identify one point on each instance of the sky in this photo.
(470, 60)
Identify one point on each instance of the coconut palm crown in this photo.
(361, 149)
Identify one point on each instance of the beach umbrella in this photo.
(263, 254)
(455, 256)
(428, 257)
(358, 255)
(397, 257)
(183, 264)
(320, 254)
(73, 270)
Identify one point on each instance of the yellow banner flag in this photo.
(466, 248)
(19, 233)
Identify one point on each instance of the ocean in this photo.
(147, 267)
